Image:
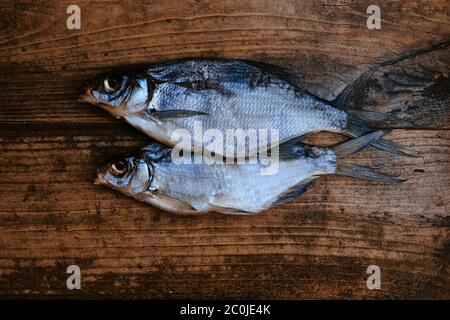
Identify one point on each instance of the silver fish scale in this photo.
(235, 106)
(241, 187)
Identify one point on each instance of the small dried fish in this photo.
(152, 176)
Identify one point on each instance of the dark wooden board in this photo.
(319, 246)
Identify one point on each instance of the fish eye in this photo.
(111, 84)
(119, 168)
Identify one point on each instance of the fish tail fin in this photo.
(356, 127)
(363, 173)
(350, 147)
(347, 148)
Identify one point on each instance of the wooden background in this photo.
(52, 216)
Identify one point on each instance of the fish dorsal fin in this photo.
(155, 151)
(294, 191)
(281, 73)
(213, 71)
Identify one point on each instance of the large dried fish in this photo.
(221, 95)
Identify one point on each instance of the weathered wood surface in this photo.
(52, 216)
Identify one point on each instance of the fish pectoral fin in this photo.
(291, 76)
(171, 204)
(175, 114)
(294, 191)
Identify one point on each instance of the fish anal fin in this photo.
(294, 191)
(227, 210)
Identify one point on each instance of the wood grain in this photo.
(52, 215)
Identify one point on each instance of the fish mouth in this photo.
(100, 179)
(87, 97)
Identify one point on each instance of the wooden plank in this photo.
(43, 64)
(319, 246)
(316, 247)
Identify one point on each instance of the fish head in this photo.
(120, 94)
(128, 174)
